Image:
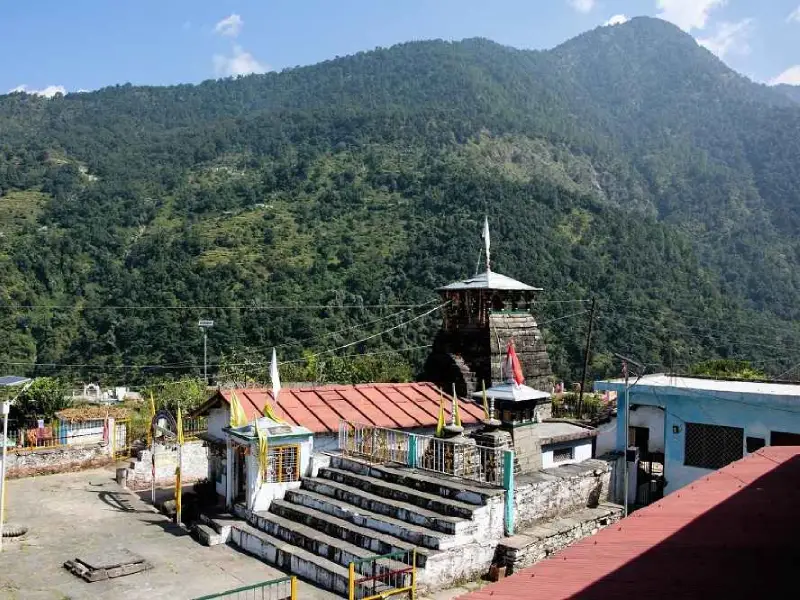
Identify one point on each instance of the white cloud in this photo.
(688, 14)
(730, 38)
(239, 63)
(616, 20)
(794, 16)
(790, 76)
(47, 92)
(583, 6)
(230, 26)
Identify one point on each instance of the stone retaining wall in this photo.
(46, 461)
(550, 493)
(195, 465)
(539, 542)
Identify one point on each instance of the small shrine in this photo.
(268, 458)
(520, 418)
(480, 316)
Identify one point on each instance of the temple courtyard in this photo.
(87, 513)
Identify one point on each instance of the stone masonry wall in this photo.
(535, 544)
(195, 465)
(554, 492)
(25, 463)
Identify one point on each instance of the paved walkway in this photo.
(88, 513)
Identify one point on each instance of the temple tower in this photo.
(483, 313)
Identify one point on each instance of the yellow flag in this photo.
(456, 414)
(180, 427)
(152, 406)
(262, 451)
(270, 413)
(485, 401)
(238, 418)
(178, 493)
(440, 422)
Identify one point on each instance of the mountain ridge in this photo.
(627, 163)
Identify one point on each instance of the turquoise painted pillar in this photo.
(508, 485)
(412, 451)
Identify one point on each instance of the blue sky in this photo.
(86, 44)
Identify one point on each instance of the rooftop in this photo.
(554, 432)
(320, 409)
(9, 380)
(662, 380)
(272, 429)
(489, 280)
(731, 534)
(514, 393)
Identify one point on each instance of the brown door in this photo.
(781, 438)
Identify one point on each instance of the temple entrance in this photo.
(240, 480)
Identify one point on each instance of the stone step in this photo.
(369, 539)
(413, 534)
(386, 506)
(207, 536)
(309, 539)
(422, 480)
(293, 559)
(220, 523)
(385, 489)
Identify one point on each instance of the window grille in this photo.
(283, 464)
(712, 446)
(563, 454)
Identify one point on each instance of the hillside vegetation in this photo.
(628, 164)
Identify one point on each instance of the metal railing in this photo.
(466, 461)
(284, 588)
(194, 425)
(56, 434)
(456, 459)
(378, 577)
(376, 444)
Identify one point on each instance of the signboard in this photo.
(205, 323)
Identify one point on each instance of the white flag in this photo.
(276, 378)
(485, 236)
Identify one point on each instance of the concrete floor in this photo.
(88, 513)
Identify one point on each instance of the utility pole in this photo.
(205, 325)
(6, 408)
(625, 360)
(586, 357)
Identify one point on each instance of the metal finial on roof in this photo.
(487, 242)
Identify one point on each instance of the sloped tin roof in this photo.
(489, 280)
(320, 409)
(733, 533)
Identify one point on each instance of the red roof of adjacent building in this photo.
(732, 534)
(320, 409)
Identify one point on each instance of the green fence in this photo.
(277, 589)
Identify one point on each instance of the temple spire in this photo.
(485, 236)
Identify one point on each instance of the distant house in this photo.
(689, 427)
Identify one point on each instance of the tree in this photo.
(42, 400)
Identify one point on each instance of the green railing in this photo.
(284, 588)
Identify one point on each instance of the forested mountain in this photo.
(792, 91)
(628, 164)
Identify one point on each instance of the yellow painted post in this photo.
(414, 574)
(294, 588)
(352, 582)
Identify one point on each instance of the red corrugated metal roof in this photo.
(732, 534)
(392, 405)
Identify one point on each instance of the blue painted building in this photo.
(695, 426)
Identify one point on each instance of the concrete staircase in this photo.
(355, 510)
